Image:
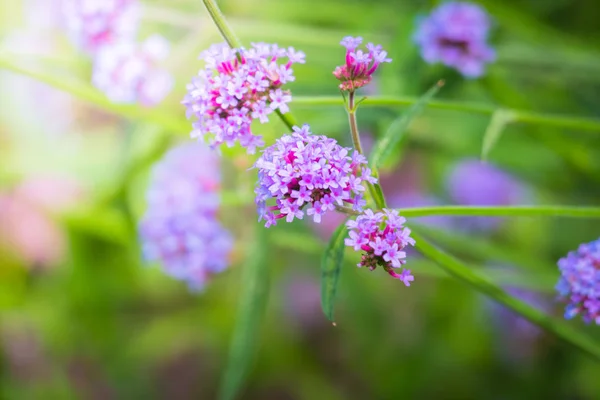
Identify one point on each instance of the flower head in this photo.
(579, 284)
(95, 23)
(180, 229)
(309, 174)
(360, 65)
(129, 73)
(455, 34)
(237, 86)
(382, 237)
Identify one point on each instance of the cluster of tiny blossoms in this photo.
(382, 237)
(236, 87)
(360, 66)
(579, 284)
(93, 24)
(455, 34)
(125, 70)
(180, 229)
(309, 173)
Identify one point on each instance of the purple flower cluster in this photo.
(95, 23)
(455, 34)
(180, 229)
(127, 72)
(237, 86)
(579, 284)
(360, 65)
(309, 173)
(382, 237)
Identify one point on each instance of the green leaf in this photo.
(252, 304)
(331, 264)
(504, 211)
(471, 277)
(397, 129)
(500, 118)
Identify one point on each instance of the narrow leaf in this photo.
(396, 131)
(331, 264)
(504, 211)
(473, 278)
(252, 304)
(500, 118)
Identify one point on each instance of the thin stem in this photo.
(346, 210)
(374, 189)
(222, 25)
(353, 123)
(522, 116)
(504, 211)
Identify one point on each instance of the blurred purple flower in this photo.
(382, 237)
(95, 23)
(236, 87)
(455, 34)
(308, 173)
(127, 72)
(474, 183)
(579, 284)
(360, 66)
(180, 228)
(302, 300)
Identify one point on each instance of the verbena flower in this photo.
(579, 284)
(456, 34)
(180, 229)
(360, 65)
(382, 237)
(474, 183)
(310, 174)
(236, 87)
(95, 23)
(127, 72)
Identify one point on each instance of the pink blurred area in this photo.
(29, 230)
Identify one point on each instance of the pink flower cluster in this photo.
(125, 70)
(308, 173)
(382, 237)
(93, 24)
(237, 86)
(360, 66)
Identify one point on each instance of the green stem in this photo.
(504, 211)
(481, 284)
(374, 189)
(527, 117)
(222, 25)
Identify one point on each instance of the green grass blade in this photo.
(89, 94)
(521, 116)
(252, 304)
(471, 277)
(396, 131)
(504, 211)
(500, 118)
(331, 264)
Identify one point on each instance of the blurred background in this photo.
(82, 315)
